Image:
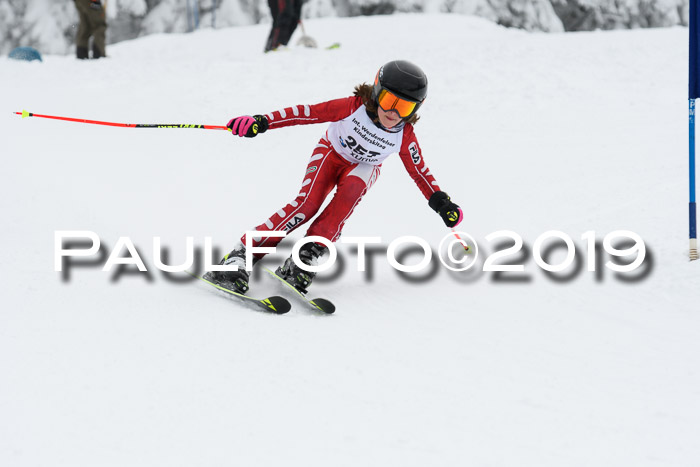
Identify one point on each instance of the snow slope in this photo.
(528, 132)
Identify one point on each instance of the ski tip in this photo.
(277, 305)
(333, 46)
(324, 305)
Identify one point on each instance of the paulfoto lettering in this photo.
(494, 262)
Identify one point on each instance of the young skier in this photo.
(374, 123)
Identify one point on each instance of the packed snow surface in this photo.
(527, 132)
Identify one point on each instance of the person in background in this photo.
(285, 17)
(92, 23)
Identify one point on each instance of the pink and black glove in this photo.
(248, 126)
(451, 213)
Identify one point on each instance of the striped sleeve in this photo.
(330, 111)
(413, 161)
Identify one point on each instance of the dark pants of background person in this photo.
(285, 17)
(92, 23)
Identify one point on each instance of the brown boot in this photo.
(97, 52)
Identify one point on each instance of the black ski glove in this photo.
(451, 213)
(248, 126)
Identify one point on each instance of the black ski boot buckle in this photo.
(295, 280)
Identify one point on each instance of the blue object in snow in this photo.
(693, 93)
(25, 53)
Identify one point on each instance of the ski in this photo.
(320, 304)
(274, 304)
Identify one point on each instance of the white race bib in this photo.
(358, 139)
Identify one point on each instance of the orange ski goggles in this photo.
(389, 101)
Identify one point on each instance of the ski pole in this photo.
(464, 244)
(26, 114)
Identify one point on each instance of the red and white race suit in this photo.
(348, 157)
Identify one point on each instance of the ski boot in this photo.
(237, 281)
(294, 275)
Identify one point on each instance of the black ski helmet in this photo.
(404, 79)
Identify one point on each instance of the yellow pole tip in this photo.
(25, 114)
